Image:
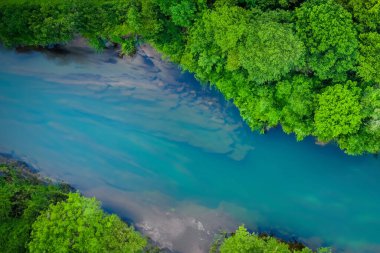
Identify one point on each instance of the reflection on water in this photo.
(157, 147)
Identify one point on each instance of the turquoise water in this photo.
(157, 147)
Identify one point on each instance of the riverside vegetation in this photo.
(38, 216)
(312, 66)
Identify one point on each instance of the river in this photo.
(171, 155)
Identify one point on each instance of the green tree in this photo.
(371, 109)
(14, 25)
(231, 38)
(258, 106)
(329, 35)
(269, 4)
(338, 111)
(270, 51)
(367, 13)
(22, 198)
(244, 242)
(212, 39)
(183, 13)
(297, 98)
(80, 225)
(128, 46)
(52, 25)
(368, 137)
(369, 60)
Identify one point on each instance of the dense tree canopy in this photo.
(270, 51)
(231, 38)
(22, 198)
(80, 225)
(281, 62)
(244, 242)
(367, 13)
(328, 32)
(338, 112)
(38, 216)
(296, 98)
(369, 60)
(368, 137)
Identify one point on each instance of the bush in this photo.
(80, 225)
(244, 242)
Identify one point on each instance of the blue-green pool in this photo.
(174, 157)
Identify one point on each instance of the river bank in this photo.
(24, 177)
(38, 215)
(328, 86)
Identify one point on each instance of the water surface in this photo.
(157, 147)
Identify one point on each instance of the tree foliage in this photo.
(296, 97)
(80, 225)
(244, 242)
(37, 216)
(368, 137)
(367, 13)
(330, 38)
(276, 60)
(338, 112)
(231, 38)
(270, 51)
(369, 60)
(22, 198)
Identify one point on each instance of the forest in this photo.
(311, 67)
